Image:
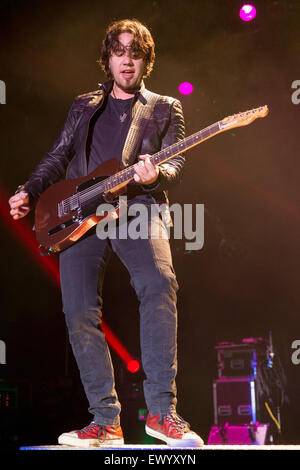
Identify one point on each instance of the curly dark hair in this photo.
(142, 45)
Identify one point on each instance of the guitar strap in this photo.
(141, 114)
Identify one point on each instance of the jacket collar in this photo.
(139, 94)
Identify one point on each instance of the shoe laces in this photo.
(175, 421)
(93, 426)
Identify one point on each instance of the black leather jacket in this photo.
(68, 157)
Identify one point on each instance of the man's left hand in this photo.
(145, 172)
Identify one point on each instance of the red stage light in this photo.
(22, 230)
(133, 366)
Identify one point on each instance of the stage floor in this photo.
(128, 447)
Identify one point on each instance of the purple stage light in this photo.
(185, 88)
(247, 12)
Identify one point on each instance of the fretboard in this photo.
(162, 156)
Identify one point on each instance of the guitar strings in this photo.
(85, 194)
(89, 193)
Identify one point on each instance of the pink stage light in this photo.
(185, 88)
(247, 12)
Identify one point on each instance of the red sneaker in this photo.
(173, 430)
(94, 435)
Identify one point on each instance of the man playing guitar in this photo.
(96, 129)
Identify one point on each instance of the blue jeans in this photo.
(149, 264)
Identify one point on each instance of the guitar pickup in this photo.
(62, 208)
(74, 202)
(68, 205)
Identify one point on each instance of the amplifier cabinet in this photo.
(235, 401)
(237, 361)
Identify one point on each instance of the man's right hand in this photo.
(19, 205)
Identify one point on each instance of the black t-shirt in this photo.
(109, 131)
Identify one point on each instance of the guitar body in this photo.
(58, 225)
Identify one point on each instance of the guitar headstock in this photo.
(245, 118)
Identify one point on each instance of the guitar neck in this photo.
(121, 179)
(125, 176)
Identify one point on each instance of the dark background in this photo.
(245, 280)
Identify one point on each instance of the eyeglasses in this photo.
(135, 52)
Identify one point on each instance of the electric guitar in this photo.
(67, 209)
